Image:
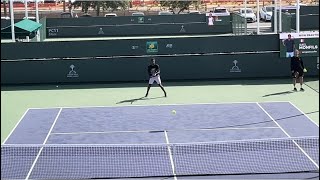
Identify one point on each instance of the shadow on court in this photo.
(279, 93)
(137, 99)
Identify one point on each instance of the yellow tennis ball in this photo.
(304, 70)
(174, 112)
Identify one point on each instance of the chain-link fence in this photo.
(239, 24)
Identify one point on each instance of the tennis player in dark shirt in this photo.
(297, 70)
(154, 75)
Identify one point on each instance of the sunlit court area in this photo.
(165, 90)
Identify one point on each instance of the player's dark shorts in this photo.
(297, 74)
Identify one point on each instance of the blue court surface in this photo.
(199, 141)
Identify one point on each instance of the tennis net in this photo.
(58, 161)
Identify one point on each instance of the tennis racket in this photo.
(154, 73)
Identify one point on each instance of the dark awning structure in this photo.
(22, 29)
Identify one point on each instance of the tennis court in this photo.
(268, 139)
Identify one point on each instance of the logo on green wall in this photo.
(140, 19)
(152, 47)
(235, 67)
(72, 73)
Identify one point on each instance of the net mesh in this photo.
(120, 161)
(259, 157)
(78, 162)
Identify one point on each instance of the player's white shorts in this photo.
(289, 54)
(156, 78)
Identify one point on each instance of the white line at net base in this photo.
(151, 131)
(302, 150)
(44, 142)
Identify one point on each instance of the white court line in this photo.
(146, 105)
(304, 114)
(170, 156)
(16, 126)
(44, 142)
(150, 131)
(157, 144)
(290, 137)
